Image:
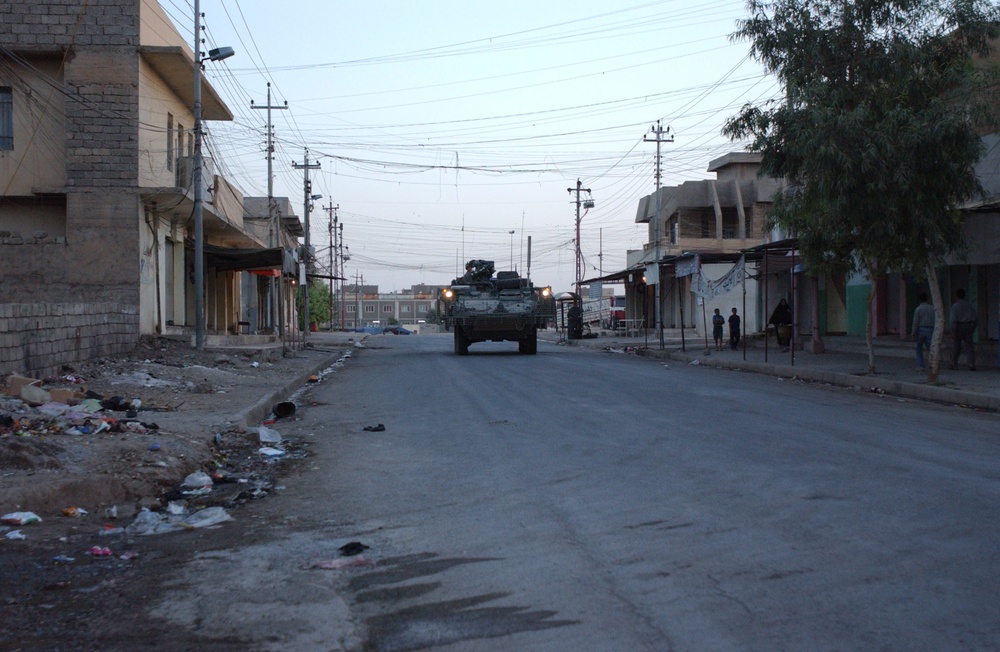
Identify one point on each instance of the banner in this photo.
(708, 289)
(652, 274)
(687, 266)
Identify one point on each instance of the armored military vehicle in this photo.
(481, 308)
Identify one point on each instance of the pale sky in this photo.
(440, 126)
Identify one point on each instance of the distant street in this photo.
(575, 500)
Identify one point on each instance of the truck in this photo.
(482, 308)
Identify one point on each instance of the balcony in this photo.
(222, 204)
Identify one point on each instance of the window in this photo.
(369, 308)
(405, 308)
(6, 118)
(352, 308)
(180, 140)
(170, 141)
(387, 308)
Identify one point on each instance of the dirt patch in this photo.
(73, 581)
(163, 406)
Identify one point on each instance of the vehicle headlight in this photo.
(546, 292)
(448, 294)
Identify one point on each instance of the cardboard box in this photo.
(16, 382)
(67, 396)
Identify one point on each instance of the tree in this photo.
(878, 136)
(432, 316)
(319, 303)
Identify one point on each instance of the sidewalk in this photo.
(844, 363)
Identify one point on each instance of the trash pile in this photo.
(242, 468)
(30, 409)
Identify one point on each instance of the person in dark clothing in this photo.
(734, 330)
(781, 318)
(963, 320)
(923, 328)
(718, 321)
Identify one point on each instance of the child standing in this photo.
(718, 321)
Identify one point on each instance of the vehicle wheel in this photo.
(522, 346)
(531, 344)
(461, 342)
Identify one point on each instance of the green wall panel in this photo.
(857, 308)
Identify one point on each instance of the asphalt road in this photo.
(576, 500)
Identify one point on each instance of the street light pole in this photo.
(199, 227)
(511, 232)
(199, 235)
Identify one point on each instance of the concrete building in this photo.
(697, 230)
(96, 154)
(363, 305)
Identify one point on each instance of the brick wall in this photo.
(47, 23)
(37, 339)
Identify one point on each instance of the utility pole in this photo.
(332, 210)
(274, 231)
(307, 207)
(343, 274)
(657, 129)
(588, 204)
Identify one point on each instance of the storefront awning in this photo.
(224, 259)
(615, 277)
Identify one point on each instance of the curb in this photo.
(892, 387)
(253, 414)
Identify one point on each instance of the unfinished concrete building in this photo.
(96, 158)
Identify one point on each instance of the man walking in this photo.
(963, 320)
(923, 328)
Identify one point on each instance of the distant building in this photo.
(363, 305)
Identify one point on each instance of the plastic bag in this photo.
(147, 522)
(198, 479)
(268, 436)
(206, 517)
(20, 518)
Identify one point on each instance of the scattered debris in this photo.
(197, 479)
(351, 549)
(379, 428)
(266, 435)
(147, 522)
(20, 518)
(285, 409)
(338, 564)
(16, 535)
(271, 452)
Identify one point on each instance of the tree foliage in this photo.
(881, 127)
(319, 303)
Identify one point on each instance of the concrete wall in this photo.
(37, 160)
(158, 30)
(156, 100)
(37, 339)
(76, 297)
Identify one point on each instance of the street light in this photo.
(218, 54)
(511, 232)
